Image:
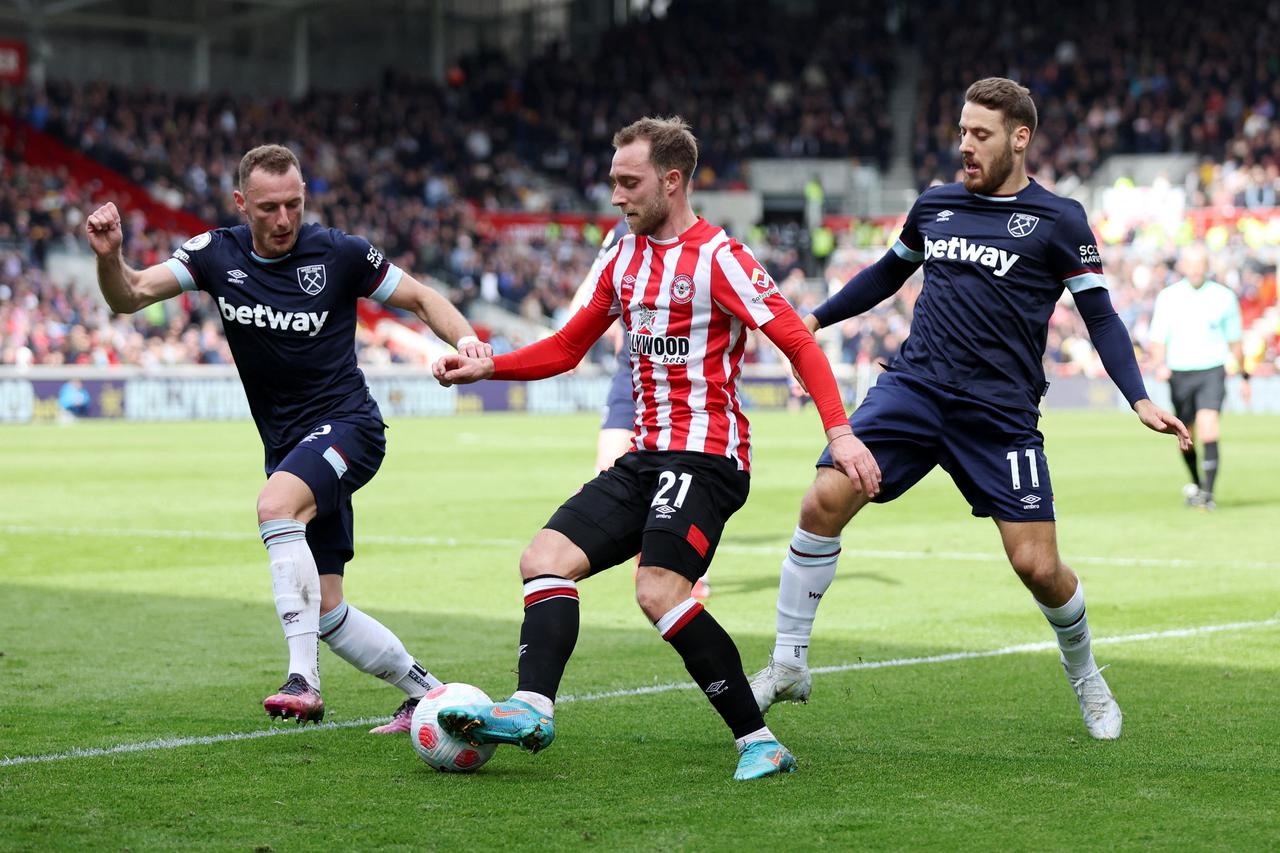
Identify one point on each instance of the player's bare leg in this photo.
(285, 505)
(710, 656)
(550, 567)
(807, 572)
(1032, 548)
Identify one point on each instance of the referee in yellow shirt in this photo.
(1195, 328)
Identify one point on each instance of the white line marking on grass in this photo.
(227, 536)
(725, 547)
(176, 742)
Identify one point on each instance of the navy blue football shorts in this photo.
(995, 456)
(335, 459)
(620, 406)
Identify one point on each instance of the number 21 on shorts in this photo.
(666, 480)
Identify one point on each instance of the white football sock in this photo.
(807, 571)
(369, 646)
(1071, 625)
(542, 704)
(296, 584)
(758, 734)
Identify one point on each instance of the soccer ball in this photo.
(437, 747)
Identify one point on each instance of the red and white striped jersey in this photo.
(687, 304)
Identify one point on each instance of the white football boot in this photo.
(778, 682)
(1098, 706)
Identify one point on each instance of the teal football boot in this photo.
(764, 758)
(510, 721)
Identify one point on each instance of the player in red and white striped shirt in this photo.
(687, 294)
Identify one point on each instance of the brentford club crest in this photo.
(681, 289)
(1022, 224)
(311, 279)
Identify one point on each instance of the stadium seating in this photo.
(416, 166)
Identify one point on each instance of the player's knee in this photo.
(1035, 568)
(827, 506)
(538, 560)
(272, 505)
(659, 591)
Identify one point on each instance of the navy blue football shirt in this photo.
(290, 322)
(994, 267)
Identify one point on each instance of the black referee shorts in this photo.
(1193, 390)
(668, 506)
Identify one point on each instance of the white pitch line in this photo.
(205, 740)
(725, 547)
(229, 536)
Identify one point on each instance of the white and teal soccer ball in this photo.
(437, 747)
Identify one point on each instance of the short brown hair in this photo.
(672, 144)
(272, 159)
(1007, 96)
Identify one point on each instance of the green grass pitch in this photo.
(136, 619)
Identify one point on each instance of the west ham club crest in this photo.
(311, 279)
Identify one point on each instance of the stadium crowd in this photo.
(1114, 78)
(415, 167)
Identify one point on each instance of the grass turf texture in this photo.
(114, 637)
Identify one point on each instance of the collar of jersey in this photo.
(263, 260)
(1013, 197)
(681, 237)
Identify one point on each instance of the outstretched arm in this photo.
(848, 453)
(438, 313)
(1111, 340)
(125, 289)
(864, 291)
(547, 357)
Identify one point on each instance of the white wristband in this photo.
(464, 340)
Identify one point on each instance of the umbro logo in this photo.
(945, 215)
(236, 276)
(1030, 501)
(524, 647)
(665, 511)
(291, 617)
(715, 688)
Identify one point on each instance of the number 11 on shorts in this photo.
(1015, 475)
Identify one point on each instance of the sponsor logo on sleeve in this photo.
(374, 257)
(761, 281)
(1089, 255)
(198, 242)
